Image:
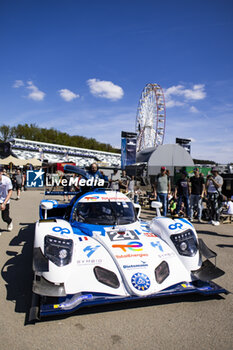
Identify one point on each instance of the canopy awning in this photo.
(20, 162)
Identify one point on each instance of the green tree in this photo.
(5, 132)
(34, 133)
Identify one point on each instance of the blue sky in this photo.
(80, 66)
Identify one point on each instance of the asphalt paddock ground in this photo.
(170, 323)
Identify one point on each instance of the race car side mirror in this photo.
(46, 206)
(157, 206)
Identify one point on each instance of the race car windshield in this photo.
(106, 213)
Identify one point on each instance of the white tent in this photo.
(20, 162)
(170, 156)
(12, 160)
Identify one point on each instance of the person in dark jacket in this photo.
(182, 192)
(96, 173)
(197, 186)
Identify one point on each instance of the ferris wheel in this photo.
(151, 117)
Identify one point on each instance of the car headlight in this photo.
(185, 243)
(57, 250)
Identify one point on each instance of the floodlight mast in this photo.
(151, 117)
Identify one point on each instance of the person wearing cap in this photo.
(197, 186)
(162, 188)
(182, 191)
(5, 195)
(213, 188)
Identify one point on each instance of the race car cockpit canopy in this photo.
(105, 210)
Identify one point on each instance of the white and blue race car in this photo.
(96, 250)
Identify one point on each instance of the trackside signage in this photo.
(38, 178)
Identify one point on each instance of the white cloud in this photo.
(105, 89)
(172, 103)
(178, 95)
(196, 93)
(68, 95)
(193, 109)
(35, 93)
(18, 83)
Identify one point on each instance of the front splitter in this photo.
(65, 305)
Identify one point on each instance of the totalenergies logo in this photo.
(134, 246)
(92, 198)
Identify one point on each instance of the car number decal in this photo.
(127, 235)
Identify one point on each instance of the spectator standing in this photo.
(131, 187)
(124, 181)
(162, 188)
(197, 186)
(74, 182)
(66, 185)
(114, 180)
(5, 195)
(214, 187)
(19, 180)
(182, 192)
(13, 180)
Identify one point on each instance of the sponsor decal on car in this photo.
(157, 244)
(166, 255)
(90, 250)
(134, 246)
(130, 256)
(142, 265)
(89, 261)
(118, 199)
(140, 281)
(149, 234)
(61, 230)
(91, 198)
(175, 226)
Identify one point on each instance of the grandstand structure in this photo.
(53, 153)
